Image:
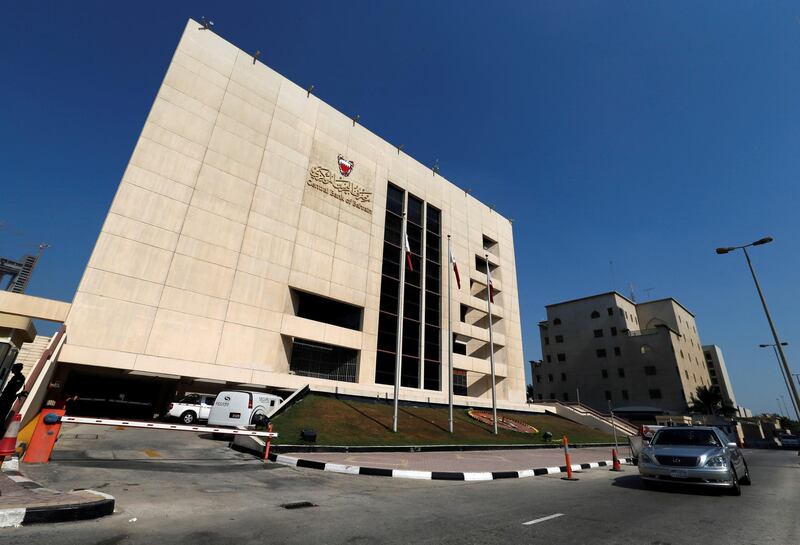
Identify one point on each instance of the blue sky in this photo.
(643, 133)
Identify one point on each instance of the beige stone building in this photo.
(255, 240)
(718, 373)
(606, 348)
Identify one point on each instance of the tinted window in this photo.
(686, 437)
(192, 399)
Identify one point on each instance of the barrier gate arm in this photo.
(50, 420)
(159, 426)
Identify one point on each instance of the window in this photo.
(460, 382)
(685, 372)
(617, 351)
(489, 244)
(604, 373)
(620, 372)
(550, 377)
(539, 396)
(312, 359)
(538, 378)
(625, 395)
(613, 331)
(655, 393)
(561, 357)
(610, 311)
(552, 396)
(650, 370)
(595, 314)
(598, 333)
(601, 352)
(563, 376)
(565, 396)
(557, 321)
(549, 359)
(329, 311)
(608, 395)
(681, 353)
(559, 338)
(546, 339)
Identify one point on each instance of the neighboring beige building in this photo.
(718, 373)
(255, 240)
(607, 348)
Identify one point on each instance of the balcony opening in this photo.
(321, 309)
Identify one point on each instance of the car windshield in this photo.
(686, 438)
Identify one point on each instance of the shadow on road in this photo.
(635, 483)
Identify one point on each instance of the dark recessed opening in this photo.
(298, 505)
(329, 311)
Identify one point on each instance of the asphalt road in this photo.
(200, 492)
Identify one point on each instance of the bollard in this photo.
(615, 465)
(569, 476)
(269, 440)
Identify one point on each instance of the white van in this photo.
(234, 408)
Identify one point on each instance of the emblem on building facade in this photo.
(345, 166)
(325, 180)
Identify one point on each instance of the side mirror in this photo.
(732, 445)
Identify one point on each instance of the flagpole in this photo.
(491, 342)
(399, 342)
(450, 332)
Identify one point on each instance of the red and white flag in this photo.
(490, 287)
(408, 254)
(455, 269)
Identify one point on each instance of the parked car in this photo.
(191, 407)
(791, 441)
(699, 455)
(234, 408)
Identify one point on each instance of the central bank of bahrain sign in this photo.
(327, 181)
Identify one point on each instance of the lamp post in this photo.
(786, 379)
(766, 240)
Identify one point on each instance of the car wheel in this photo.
(746, 479)
(188, 418)
(736, 489)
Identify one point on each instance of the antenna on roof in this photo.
(355, 119)
(400, 148)
(647, 292)
(256, 55)
(633, 293)
(308, 91)
(435, 167)
(206, 24)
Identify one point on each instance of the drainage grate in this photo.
(298, 505)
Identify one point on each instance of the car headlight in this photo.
(716, 461)
(646, 458)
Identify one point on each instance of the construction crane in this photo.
(19, 271)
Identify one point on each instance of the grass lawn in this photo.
(349, 422)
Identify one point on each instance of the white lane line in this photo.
(536, 521)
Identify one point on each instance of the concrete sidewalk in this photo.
(23, 501)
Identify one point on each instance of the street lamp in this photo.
(786, 379)
(778, 345)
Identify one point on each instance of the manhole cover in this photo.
(298, 505)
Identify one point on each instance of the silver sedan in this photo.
(694, 455)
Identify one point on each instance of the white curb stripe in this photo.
(281, 459)
(549, 517)
(408, 474)
(11, 518)
(478, 476)
(101, 494)
(552, 470)
(341, 468)
(526, 473)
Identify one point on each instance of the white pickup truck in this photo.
(191, 407)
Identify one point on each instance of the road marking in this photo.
(537, 521)
(150, 453)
